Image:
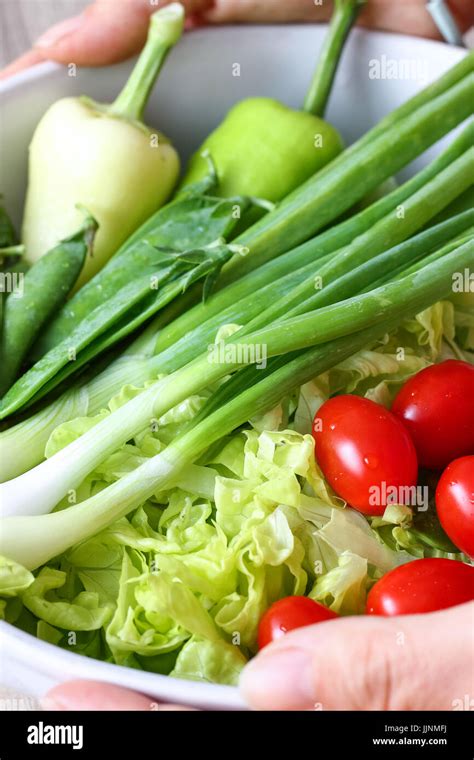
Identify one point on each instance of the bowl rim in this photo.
(21, 645)
(46, 68)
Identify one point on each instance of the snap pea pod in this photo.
(7, 241)
(12, 266)
(97, 332)
(41, 291)
(179, 270)
(157, 264)
(189, 222)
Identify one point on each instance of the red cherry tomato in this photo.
(455, 503)
(437, 407)
(289, 613)
(365, 453)
(424, 585)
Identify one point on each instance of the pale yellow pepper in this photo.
(104, 158)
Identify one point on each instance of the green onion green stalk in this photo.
(51, 480)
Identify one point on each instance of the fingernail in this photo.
(279, 680)
(58, 31)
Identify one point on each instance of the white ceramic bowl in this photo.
(194, 92)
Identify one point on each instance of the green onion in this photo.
(52, 479)
(34, 540)
(377, 270)
(391, 229)
(413, 292)
(241, 302)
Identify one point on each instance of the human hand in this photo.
(414, 662)
(98, 696)
(103, 34)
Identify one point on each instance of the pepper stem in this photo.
(166, 26)
(343, 17)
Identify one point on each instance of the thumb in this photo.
(106, 32)
(415, 662)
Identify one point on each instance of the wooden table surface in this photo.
(23, 21)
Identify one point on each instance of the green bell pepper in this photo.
(266, 149)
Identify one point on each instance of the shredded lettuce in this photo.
(179, 585)
(14, 578)
(418, 533)
(83, 613)
(464, 321)
(344, 587)
(214, 662)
